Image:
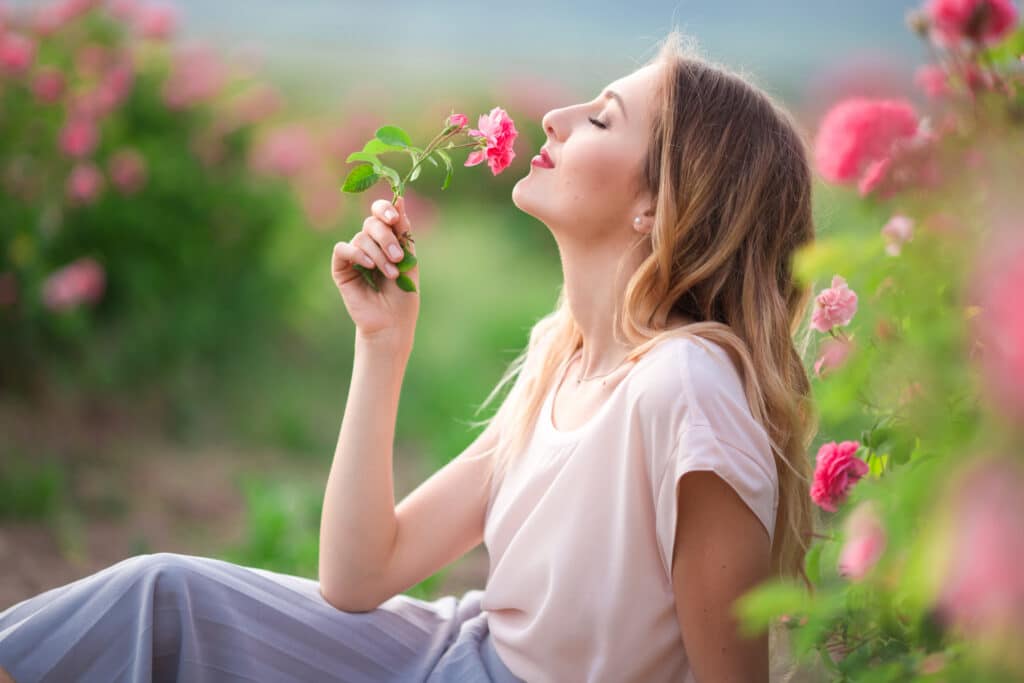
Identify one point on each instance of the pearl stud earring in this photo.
(637, 220)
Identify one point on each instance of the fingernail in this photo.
(390, 215)
(392, 271)
(395, 251)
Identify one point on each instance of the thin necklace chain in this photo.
(587, 379)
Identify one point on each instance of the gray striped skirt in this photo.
(175, 617)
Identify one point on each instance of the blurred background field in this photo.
(182, 389)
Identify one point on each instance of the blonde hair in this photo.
(733, 185)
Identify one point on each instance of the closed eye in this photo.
(596, 122)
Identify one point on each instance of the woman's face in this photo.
(597, 148)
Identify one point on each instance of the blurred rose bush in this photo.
(142, 197)
(918, 573)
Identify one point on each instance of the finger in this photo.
(385, 237)
(385, 211)
(366, 242)
(346, 255)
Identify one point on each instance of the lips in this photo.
(542, 160)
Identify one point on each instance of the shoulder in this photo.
(691, 383)
(687, 375)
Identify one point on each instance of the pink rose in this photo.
(284, 151)
(933, 80)
(865, 542)
(834, 306)
(897, 231)
(860, 132)
(196, 75)
(127, 171)
(983, 583)
(48, 85)
(833, 355)
(80, 282)
(79, 137)
(457, 120)
(85, 183)
(16, 52)
(983, 21)
(156, 22)
(835, 473)
(500, 134)
(996, 283)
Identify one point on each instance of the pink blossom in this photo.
(8, 289)
(834, 354)
(933, 80)
(156, 22)
(16, 52)
(284, 151)
(996, 283)
(984, 21)
(983, 587)
(48, 85)
(836, 471)
(124, 10)
(834, 306)
(85, 183)
(127, 168)
(865, 542)
(79, 137)
(859, 132)
(318, 194)
(196, 75)
(457, 120)
(82, 281)
(874, 175)
(500, 134)
(897, 231)
(255, 104)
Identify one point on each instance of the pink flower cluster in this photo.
(865, 542)
(836, 471)
(983, 583)
(995, 286)
(898, 230)
(499, 132)
(981, 21)
(834, 306)
(82, 281)
(858, 138)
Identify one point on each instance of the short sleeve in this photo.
(697, 448)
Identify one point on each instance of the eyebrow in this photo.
(611, 94)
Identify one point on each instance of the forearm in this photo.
(358, 523)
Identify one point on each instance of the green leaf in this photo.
(375, 146)
(391, 173)
(415, 173)
(759, 607)
(406, 283)
(812, 563)
(448, 165)
(363, 156)
(393, 135)
(360, 179)
(433, 161)
(408, 262)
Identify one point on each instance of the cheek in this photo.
(596, 173)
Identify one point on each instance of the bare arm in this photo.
(358, 523)
(721, 551)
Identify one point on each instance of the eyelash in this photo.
(596, 122)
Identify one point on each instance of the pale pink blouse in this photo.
(580, 534)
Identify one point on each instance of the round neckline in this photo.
(549, 403)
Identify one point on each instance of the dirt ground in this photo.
(137, 494)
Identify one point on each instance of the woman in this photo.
(677, 198)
